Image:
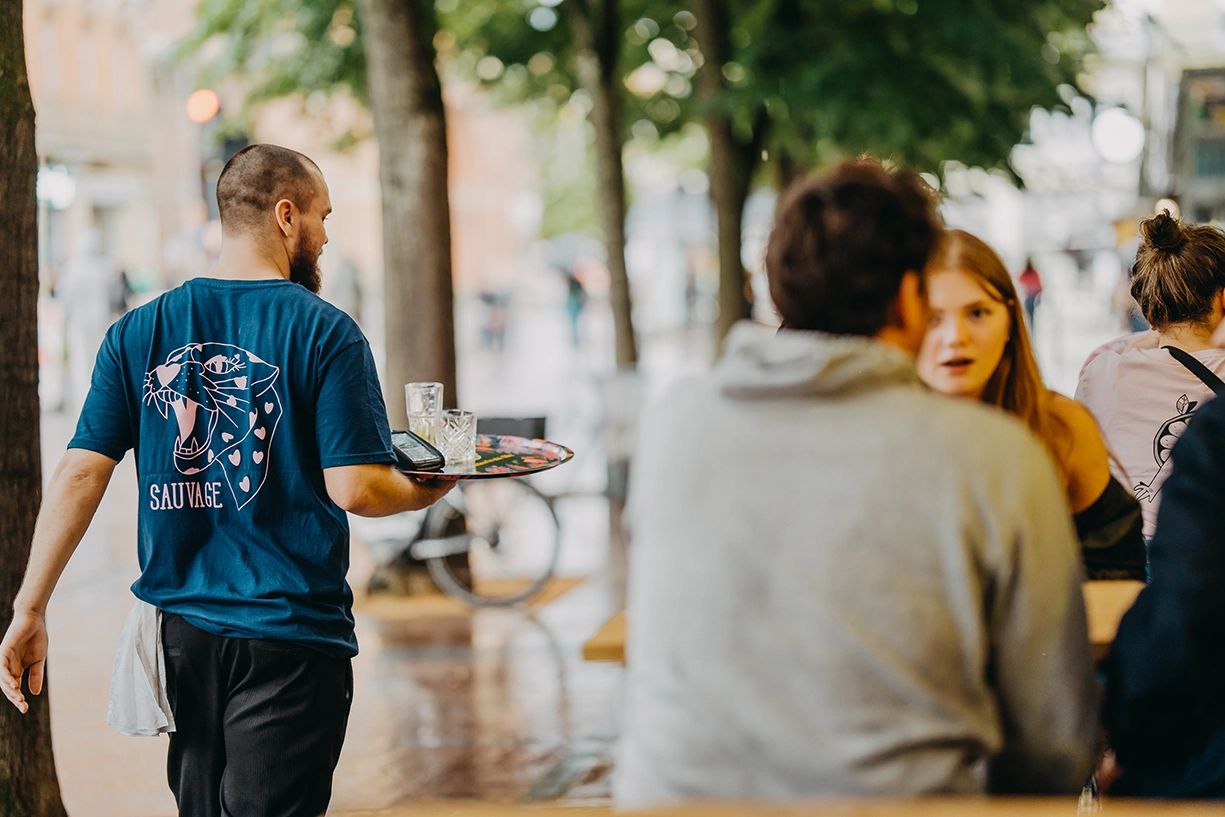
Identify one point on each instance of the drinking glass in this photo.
(424, 402)
(457, 436)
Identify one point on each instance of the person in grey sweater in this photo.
(842, 583)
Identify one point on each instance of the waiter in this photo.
(257, 421)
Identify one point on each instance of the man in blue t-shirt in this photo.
(256, 418)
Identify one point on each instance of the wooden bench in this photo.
(1105, 604)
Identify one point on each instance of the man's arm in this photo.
(72, 498)
(1043, 665)
(355, 442)
(380, 490)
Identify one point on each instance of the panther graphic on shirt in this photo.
(225, 410)
(1163, 444)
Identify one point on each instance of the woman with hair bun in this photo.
(1143, 389)
(978, 347)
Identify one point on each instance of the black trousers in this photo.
(259, 724)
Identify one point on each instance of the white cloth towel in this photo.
(139, 704)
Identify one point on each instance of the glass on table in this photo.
(457, 436)
(424, 403)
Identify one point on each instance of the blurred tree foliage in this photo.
(281, 48)
(572, 52)
(535, 54)
(786, 85)
(791, 85)
(628, 65)
(916, 82)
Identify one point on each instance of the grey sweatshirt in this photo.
(843, 584)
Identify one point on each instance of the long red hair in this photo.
(1016, 384)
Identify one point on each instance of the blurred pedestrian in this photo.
(121, 292)
(257, 421)
(842, 583)
(496, 308)
(576, 300)
(1142, 390)
(1030, 283)
(978, 348)
(85, 287)
(345, 292)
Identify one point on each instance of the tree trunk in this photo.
(599, 48)
(409, 123)
(731, 162)
(729, 190)
(790, 170)
(28, 783)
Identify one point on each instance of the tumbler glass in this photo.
(424, 402)
(457, 436)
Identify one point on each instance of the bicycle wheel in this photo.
(513, 542)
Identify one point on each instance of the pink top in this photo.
(1142, 399)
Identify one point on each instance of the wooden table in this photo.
(1105, 604)
(926, 807)
(608, 644)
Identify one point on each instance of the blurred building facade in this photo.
(116, 154)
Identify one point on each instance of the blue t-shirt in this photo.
(235, 395)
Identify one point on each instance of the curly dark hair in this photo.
(1180, 269)
(842, 242)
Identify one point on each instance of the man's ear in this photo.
(908, 315)
(285, 216)
(912, 306)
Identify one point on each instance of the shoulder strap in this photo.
(1198, 369)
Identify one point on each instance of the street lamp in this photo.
(1118, 136)
(202, 105)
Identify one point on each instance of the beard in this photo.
(304, 267)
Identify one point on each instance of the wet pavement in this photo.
(498, 707)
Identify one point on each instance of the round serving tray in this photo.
(501, 455)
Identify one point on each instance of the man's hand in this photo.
(69, 504)
(24, 645)
(433, 490)
(1108, 772)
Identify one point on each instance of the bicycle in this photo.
(489, 543)
(496, 543)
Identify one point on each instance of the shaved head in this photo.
(277, 197)
(256, 178)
